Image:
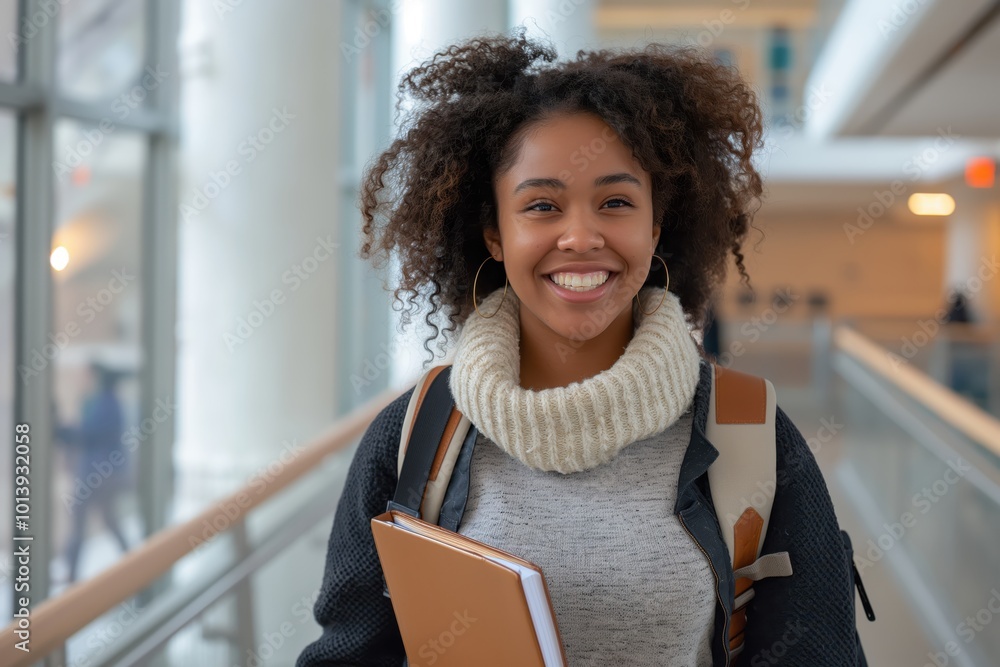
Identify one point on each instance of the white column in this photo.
(569, 24)
(258, 301)
(420, 29)
(257, 335)
(423, 27)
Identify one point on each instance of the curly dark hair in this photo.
(692, 123)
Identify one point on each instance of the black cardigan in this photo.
(805, 619)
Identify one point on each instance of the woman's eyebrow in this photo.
(610, 179)
(540, 183)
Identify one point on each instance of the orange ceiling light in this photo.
(980, 172)
(931, 203)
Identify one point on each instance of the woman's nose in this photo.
(581, 232)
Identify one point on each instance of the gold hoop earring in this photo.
(474, 290)
(662, 297)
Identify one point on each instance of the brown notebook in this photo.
(459, 602)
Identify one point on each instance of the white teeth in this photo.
(580, 282)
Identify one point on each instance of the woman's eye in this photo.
(618, 200)
(534, 207)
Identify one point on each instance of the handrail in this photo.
(56, 619)
(963, 332)
(159, 624)
(977, 424)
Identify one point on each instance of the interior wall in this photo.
(891, 269)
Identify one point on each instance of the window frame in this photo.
(37, 103)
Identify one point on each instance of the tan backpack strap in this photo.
(447, 451)
(741, 418)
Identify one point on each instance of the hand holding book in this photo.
(461, 602)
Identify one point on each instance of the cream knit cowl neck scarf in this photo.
(585, 424)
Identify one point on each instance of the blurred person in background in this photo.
(958, 308)
(97, 461)
(968, 370)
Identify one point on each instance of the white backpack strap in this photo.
(741, 414)
(741, 417)
(447, 453)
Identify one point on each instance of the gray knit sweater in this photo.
(629, 588)
(628, 585)
(359, 628)
(581, 480)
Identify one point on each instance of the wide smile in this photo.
(581, 294)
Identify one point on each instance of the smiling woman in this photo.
(537, 205)
(572, 247)
(661, 136)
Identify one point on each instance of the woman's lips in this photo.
(584, 296)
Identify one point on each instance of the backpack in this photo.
(743, 479)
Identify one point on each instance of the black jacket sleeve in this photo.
(359, 627)
(807, 618)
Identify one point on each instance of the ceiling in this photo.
(964, 91)
(911, 74)
(895, 75)
(900, 68)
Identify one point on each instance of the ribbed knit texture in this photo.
(585, 424)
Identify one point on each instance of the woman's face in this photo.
(575, 207)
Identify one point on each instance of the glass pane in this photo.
(267, 621)
(96, 262)
(102, 47)
(14, 35)
(8, 149)
(919, 502)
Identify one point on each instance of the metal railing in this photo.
(57, 619)
(951, 408)
(922, 468)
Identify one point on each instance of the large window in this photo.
(8, 192)
(8, 55)
(87, 128)
(101, 47)
(97, 290)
